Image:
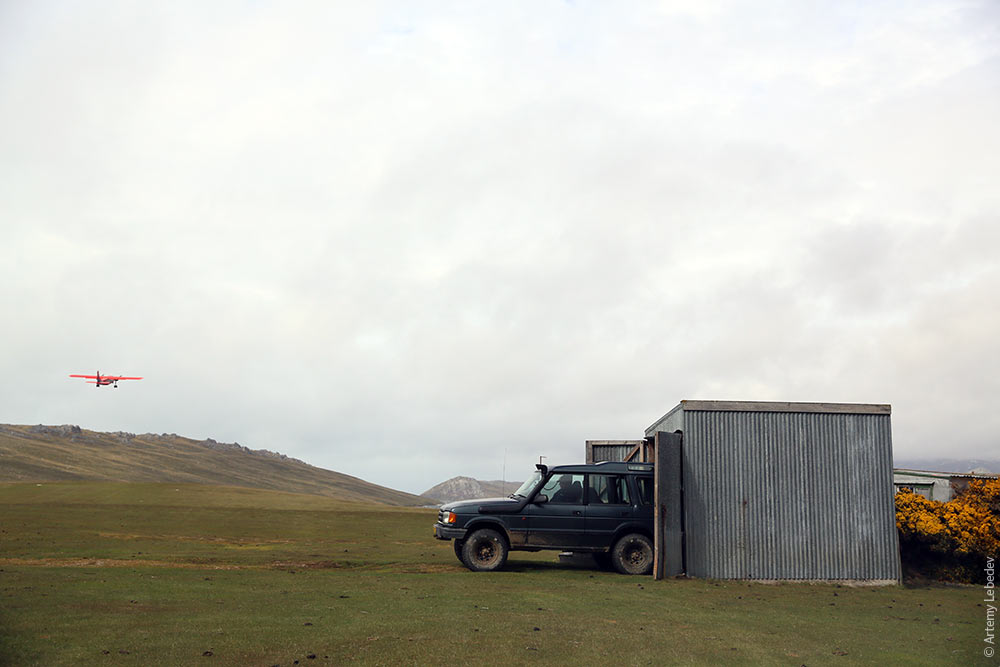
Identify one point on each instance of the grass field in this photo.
(106, 573)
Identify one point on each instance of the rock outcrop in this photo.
(467, 488)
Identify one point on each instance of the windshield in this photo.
(529, 484)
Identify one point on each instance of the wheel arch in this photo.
(487, 522)
(630, 528)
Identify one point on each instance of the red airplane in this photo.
(104, 380)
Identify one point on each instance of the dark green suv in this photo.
(603, 508)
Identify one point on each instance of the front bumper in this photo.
(443, 532)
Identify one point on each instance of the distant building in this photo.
(941, 486)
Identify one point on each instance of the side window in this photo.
(598, 492)
(607, 490)
(623, 495)
(645, 490)
(566, 489)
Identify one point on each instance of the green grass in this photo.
(151, 575)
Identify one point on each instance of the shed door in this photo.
(669, 532)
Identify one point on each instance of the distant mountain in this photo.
(947, 464)
(68, 453)
(467, 488)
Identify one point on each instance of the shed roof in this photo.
(787, 406)
(776, 406)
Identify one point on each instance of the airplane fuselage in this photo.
(99, 381)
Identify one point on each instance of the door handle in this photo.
(577, 513)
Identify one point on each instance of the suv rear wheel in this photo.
(484, 550)
(633, 554)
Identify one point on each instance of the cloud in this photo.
(405, 242)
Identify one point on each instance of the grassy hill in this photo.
(69, 453)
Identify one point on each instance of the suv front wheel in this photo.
(459, 546)
(484, 550)
(633, 554)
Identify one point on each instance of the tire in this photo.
(459, 547)
(633, 554)
(485, 550)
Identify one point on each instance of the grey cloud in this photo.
(398, 241)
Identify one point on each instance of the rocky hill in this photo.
(467, 488)
(68, 453)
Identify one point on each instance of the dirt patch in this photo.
(429, 568)
(244, 542)
(312, 565)
(114, 562)
(404, 568)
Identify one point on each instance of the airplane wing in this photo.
(89, 377)
(118, 377)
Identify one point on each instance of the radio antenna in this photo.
(503, 474)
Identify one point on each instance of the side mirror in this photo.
(540, 498)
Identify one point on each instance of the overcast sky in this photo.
(407, 240)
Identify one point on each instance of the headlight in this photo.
(449, 517)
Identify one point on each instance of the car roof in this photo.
(604, 467)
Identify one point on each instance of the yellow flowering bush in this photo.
(950, 540)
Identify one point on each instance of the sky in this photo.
(410, 240)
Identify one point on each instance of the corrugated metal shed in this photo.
(786, 490)
(610, 450)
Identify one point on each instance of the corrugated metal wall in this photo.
(789, 495)
(612, 450)
(668, 423)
